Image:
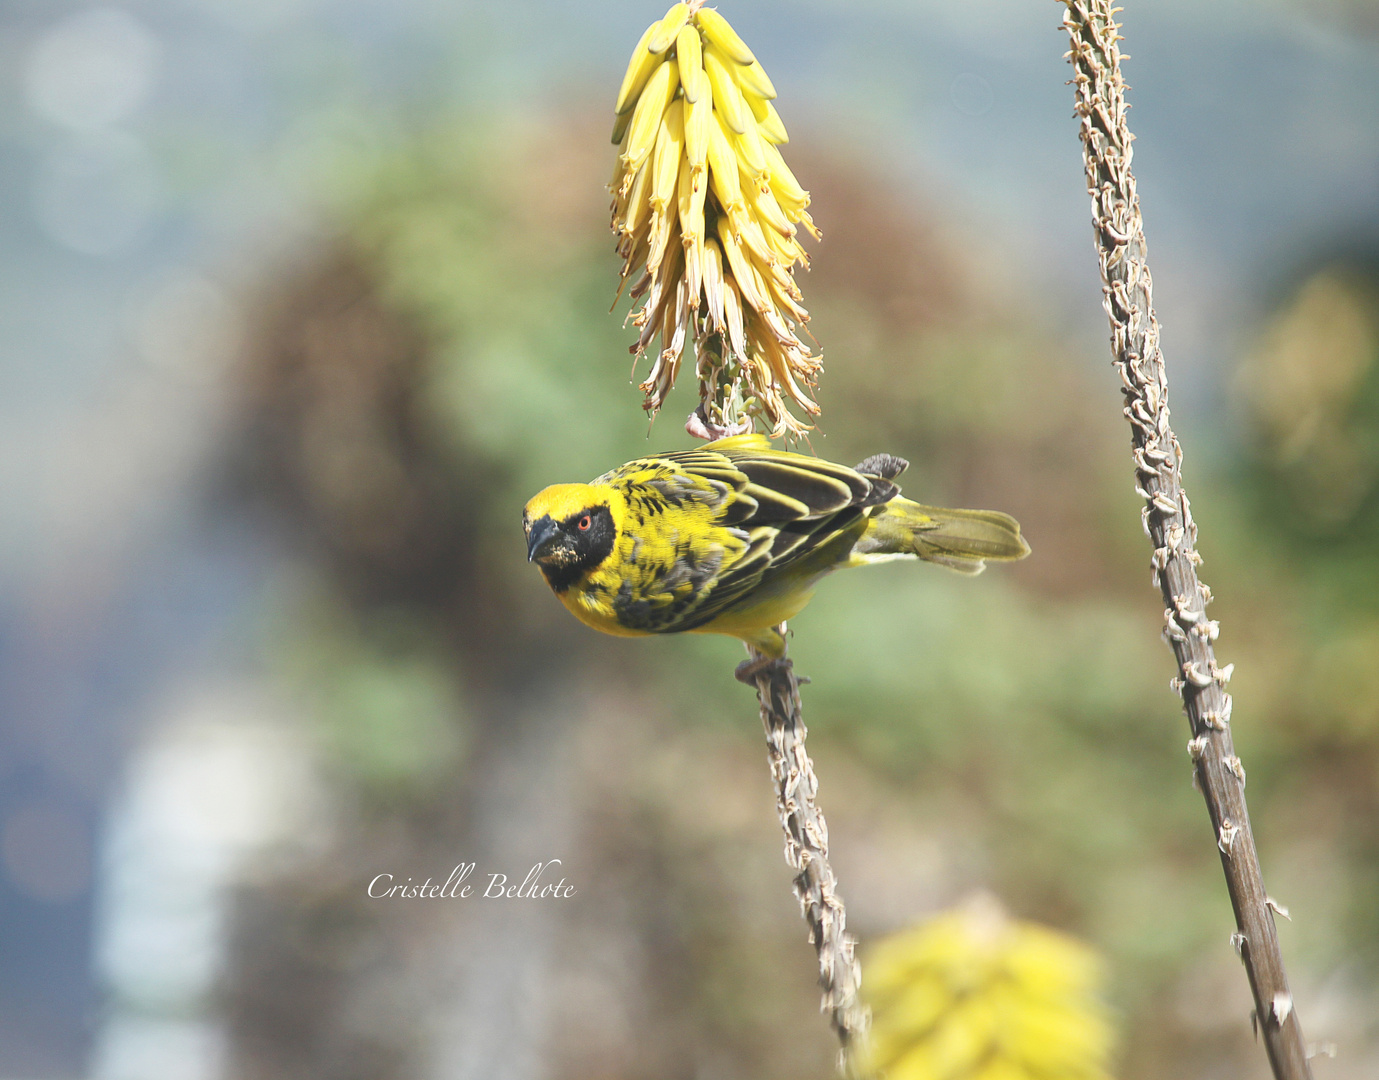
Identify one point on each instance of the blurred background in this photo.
(302, 300)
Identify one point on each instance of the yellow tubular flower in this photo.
(769, 123)
(732, 538)
(717, 30)
(792, 198)
(670, 144)
(695, 101)
(727, 96)
(698, 122)
(753, 80)
(751, 156)
(639, 206)
(691, 208)
(638, 71)
(665, 172)
(732, 313)
(768, 212)
(668, 29)
(751, 237)
(646, 119)
(723, 166)
(689, 54)
(713, 284)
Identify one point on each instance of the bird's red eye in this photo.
(584, 523)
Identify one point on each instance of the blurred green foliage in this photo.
(1312, 387)
(387, 706)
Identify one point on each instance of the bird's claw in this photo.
(748, 671)
(701, 427)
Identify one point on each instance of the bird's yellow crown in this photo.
(560, 501)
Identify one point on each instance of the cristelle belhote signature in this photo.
(537, 885)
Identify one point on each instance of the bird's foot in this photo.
(748, 671)
(701, 427)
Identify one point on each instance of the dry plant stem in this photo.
(806, 832)
(1106, 141)
(806, 843)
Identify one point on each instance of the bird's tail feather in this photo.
(961, 540)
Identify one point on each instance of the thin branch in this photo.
(806, 843)
(1106, 141)
(806, 831)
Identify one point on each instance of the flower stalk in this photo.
(1127, 289)
(806, 844)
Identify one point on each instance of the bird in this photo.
(733, 537)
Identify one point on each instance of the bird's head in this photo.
(570, 530)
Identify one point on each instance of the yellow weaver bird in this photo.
(733, 537)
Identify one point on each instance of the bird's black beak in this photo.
(541, 537)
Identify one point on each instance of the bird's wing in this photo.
(774, 486)
(782, 505)
(673, 548)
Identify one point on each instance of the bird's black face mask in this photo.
(567, 549)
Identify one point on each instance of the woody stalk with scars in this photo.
(1128, 298)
